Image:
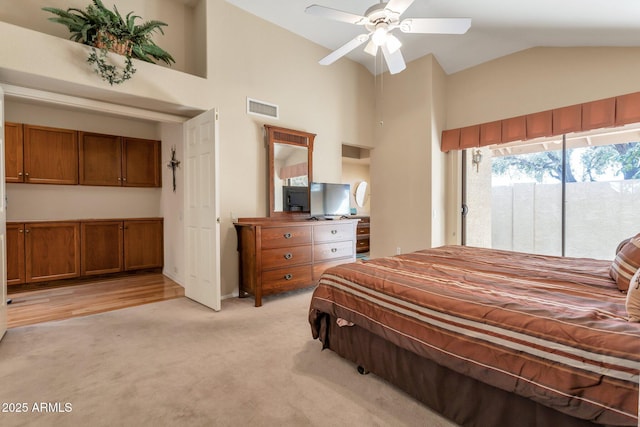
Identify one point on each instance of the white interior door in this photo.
(202, 212)
(3, 226)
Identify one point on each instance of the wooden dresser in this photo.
(362, 244)
(282, 255)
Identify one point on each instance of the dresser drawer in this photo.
(286, 279)
(333, 232)
(277, 237)
(320, 267)
(327, 251)
(362, 230)
(281, 257)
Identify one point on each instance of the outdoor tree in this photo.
(594, 163)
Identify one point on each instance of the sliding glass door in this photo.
(573, 195)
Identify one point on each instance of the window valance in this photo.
(609, 112)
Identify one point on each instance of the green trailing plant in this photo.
(107, 30)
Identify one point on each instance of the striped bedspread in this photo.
(551, 329)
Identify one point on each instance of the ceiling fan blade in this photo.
(395, 60)
(399, 6)
(344, 49)
(435, 25)
(335, 14)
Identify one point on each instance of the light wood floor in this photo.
(41, 303)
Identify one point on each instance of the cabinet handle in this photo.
(26, 174)
(19, 173)
(288, 255)
(334, 250)
(27, 230)
(20, 230)
(287, 235)
(288, 276)
(334, 231)
(119, 179)
(124, 179)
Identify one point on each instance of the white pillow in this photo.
(633, 298)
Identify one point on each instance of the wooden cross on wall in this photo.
(173, 165)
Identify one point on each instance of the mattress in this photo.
(550, 329)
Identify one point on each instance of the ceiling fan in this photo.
(380, 20)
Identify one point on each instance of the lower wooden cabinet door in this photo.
(15, 254)
(102, 247)
(52, 250)
(143, 246)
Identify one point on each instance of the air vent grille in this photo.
(262, 108)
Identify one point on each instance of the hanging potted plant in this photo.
(107, 31)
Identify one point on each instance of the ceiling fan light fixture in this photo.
(372, 48)
(393, 43)
(379, 36)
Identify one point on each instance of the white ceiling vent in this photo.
(262, 108)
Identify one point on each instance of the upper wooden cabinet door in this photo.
(100, 159)
(143, 246)
(52, 250)
(13, 166)
(50, 155)
(141, 163)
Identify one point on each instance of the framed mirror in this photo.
(290, 170)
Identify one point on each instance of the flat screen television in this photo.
(329, 200)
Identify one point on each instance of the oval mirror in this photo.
(361, 191)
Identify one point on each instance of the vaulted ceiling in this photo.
(498, 27)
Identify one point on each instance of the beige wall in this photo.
(268, 63)
(539, 79)
(353, 174)
(401, 181)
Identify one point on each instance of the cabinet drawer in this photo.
(333, 232)
(285, 279)
(332, 250)
(280, 257)
(362, 245)
(278, 237)
(362, 230)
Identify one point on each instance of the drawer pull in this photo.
(288, 255)
(288, 276)
(334, 231)
(334, 250)
(287, 235)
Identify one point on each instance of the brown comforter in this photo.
(551, 329)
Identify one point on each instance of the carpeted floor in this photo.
(176, 363)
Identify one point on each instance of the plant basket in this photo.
(111, 43)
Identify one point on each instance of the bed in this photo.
(488, 337)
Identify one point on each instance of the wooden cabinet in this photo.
(102, 247)
(363, 232)
(52, 251)
(50, 155)
(42, 251)
(143, 244)
(279, 255)
(109, 160)
(13, 152)
(141, 162)
(43, 155)
(15, 254)
(100, 159)
(48, 250)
